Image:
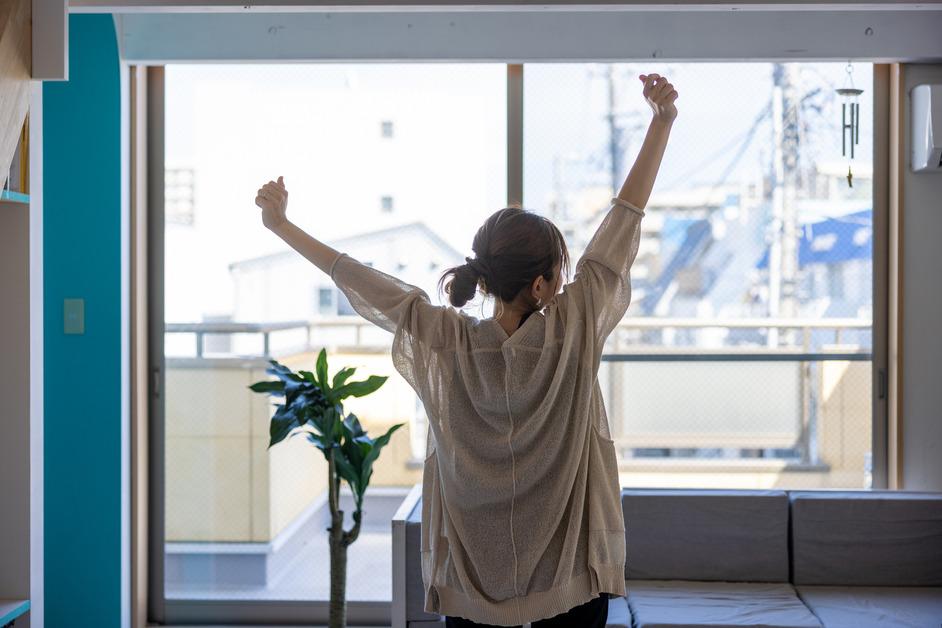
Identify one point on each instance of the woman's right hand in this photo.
(273, 199)
(661, 95)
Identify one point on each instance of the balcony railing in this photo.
(314, 330)
(746, 399)
(681, 394)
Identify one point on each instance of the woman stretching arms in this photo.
(521, 503)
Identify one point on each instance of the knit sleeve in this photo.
(601, 287)
(394, 305)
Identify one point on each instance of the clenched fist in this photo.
(661, 95)
(273, 199)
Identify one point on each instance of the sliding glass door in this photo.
(393, 164)
(745, 360)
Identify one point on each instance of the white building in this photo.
(285, 286)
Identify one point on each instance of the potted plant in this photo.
(313, 406)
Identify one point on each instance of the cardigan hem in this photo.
(531, 607)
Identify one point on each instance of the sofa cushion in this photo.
(867, 538)
(670, 603)
(618, 614)
(722, 535)
(892, 607)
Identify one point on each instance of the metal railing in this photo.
(805, 326)
(201, 330)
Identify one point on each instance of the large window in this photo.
(744, 360)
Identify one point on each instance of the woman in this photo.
(521, 503)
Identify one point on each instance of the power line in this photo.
(746, 134)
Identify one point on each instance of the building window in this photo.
(386, 203)
(325, 300)
(344, 308)
(387, 128)
(179, 195)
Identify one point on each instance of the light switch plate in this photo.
(74, 316)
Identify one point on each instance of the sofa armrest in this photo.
(400, 558)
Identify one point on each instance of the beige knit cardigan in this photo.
(521, 502)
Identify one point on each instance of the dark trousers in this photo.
(592, 614)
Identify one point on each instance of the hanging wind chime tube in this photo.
(849, 102)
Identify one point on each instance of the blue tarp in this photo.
(833, 240)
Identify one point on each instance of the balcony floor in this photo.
(306, 576)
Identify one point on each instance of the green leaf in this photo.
(347, 471)
(282, 371)
(321, 368)
(321, 419)
(328, 423)
(352, 423)
(281, 425)
(341, 376)
(356, 443)
(359, 389)
(293, 383)
(366, 470)
(303, 399)
(337, 432)
(268, 386)
(317, 441)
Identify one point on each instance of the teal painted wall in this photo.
(82, 259)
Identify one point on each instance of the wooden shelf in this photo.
(11, 609)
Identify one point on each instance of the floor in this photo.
(307, 575)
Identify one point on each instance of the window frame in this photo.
(176, 612)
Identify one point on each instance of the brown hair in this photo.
(513, 247)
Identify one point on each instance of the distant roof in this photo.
(413, 228)
(833, 240)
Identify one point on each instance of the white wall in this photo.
(922, 309)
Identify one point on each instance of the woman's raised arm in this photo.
(601, 289)
(382, 299)
(661, 95)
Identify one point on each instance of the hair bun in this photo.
(476, 265)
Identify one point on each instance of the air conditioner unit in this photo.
(926, 126)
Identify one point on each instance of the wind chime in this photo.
(849, 103)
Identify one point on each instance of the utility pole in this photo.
(783, 253)
(559, 209)
(614, 134)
